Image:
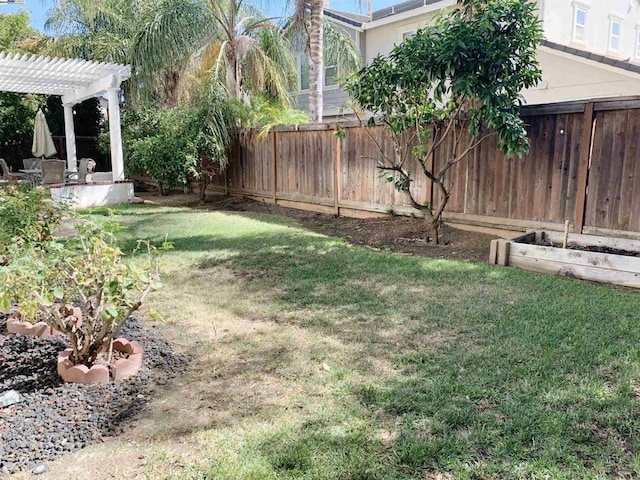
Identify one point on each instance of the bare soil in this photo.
(391, 233)
(590, 248)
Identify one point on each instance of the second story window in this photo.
(330, 74)
(615, 32)
(304, 72)
(580, 25)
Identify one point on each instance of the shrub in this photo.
(157, 146)
(210, 129)
(88, 272)
(170, 145)
(27, 217)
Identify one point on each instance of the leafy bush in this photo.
(170, 145)
(210, 129)
(262, 115)
(27, 217)
(156, 145)
(90, 272)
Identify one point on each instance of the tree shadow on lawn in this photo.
(495, 373)
(532, 375)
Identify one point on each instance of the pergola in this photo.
(74, 80)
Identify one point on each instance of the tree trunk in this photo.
(316, 61)
(433, 219)
(433, 236)
(171, 89)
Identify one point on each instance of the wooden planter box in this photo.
(532, 252)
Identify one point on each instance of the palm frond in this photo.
(340, 49)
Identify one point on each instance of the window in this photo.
(409, 34)
(638, 43)
(615, 32)
(304, 72)
(330, 74)
(580, 25)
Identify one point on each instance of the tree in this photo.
(156, 37)
(16, 35)
(309, 18)
(250, 54)
(172, 145)
(457, 81)
(170, 42)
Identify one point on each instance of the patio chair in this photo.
(53, 171)
(32, 163)
(81, 175)
(8, 174)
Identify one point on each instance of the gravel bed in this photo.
(55, 418)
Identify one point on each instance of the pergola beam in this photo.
(74, 80)
(94, 89)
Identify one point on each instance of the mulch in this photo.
(392, 233)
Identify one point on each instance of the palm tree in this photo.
(250, 54)
(309, 17)
(120, 30)
(169, 41)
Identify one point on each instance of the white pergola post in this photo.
(75, 80)
(70, 138)
(117, 161)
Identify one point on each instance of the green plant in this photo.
(27, 217)
(89, 272)
(171, 145)
(209, 129)
(263, 115)
(457, 81)
(156, 145)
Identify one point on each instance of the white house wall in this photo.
(568, 78)
(558, 23)
(381, 40)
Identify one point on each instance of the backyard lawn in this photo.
(318, 359)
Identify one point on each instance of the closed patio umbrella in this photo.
(42, 142)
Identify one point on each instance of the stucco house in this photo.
(591, 48)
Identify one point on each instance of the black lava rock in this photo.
(56, 418)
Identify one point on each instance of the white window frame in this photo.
(580, 7)
(613, 20)
(409, 33)
(325, 86)
(637, 46)
(329, 85)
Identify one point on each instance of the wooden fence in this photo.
(584, 166)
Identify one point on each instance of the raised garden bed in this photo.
(600, 259)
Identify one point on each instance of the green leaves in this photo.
(90, 271)
(27, 217)
(481, 56)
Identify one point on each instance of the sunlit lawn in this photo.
(326, 360)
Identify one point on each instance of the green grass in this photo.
(345, 362)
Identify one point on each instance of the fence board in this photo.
(613, 200)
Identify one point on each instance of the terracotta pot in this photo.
(39, 329)
(122, 368)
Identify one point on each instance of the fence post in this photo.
(274, 165)
(583, 169)
(336, 173)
